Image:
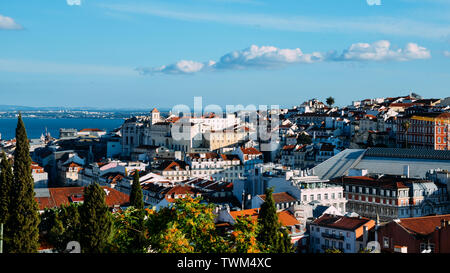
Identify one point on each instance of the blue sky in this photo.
(113, 53)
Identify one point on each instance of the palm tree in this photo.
(405, 126)
(330, 101)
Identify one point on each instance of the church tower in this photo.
(155, 116)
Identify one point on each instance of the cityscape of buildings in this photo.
(377, 170)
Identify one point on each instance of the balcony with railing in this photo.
(333, 236)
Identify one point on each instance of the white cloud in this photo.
(267, 57)
(74, 2)
(447, 53)
(382, 51)
(8, 23)
(181, 67)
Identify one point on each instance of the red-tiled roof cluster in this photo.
(280, 197)
(64, 196)
(423, 225)
(91, 130)
(250, 151)
(341, 222)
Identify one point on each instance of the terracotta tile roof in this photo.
(72, 165)
(91, 130)
(180, 190)
(341, 222)
(281, 197)
(250, 150)
(173, 119)
(170, 166)
(227, 157)
(423, 225)
(288, 147)
(63, 196)
(286, 218)
(155, 110)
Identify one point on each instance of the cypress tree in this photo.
(96, 221)
(268, 222)
(6, 181)
(136, 195)
(23, 221)
(137, 201)
(275, 238)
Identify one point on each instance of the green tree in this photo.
(303, 138)
(6, 181)
(271, 234)
(136, 195)
(330, 101)
(285, 243)
(22, 225)
(243, 237)
(96, 221)
(189, 218)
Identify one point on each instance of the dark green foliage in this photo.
(61, 225)
(271, 235)
(137, 201)
(285, 243)
(6, 181)
(268, 222)
(330, 101)
(136, 195)
(22, 225)
(96, 221)
(304, 139)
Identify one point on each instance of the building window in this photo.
(385, 242)
(425, 246)
(347, 246)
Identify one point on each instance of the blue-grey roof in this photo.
(384, 161)
(408, 153)
(319, 210)
(337, 165)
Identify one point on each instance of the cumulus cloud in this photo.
(181, 67)
(447, 53)
(382, 51)
(8, 23)
(267, 57)
(74, 2)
